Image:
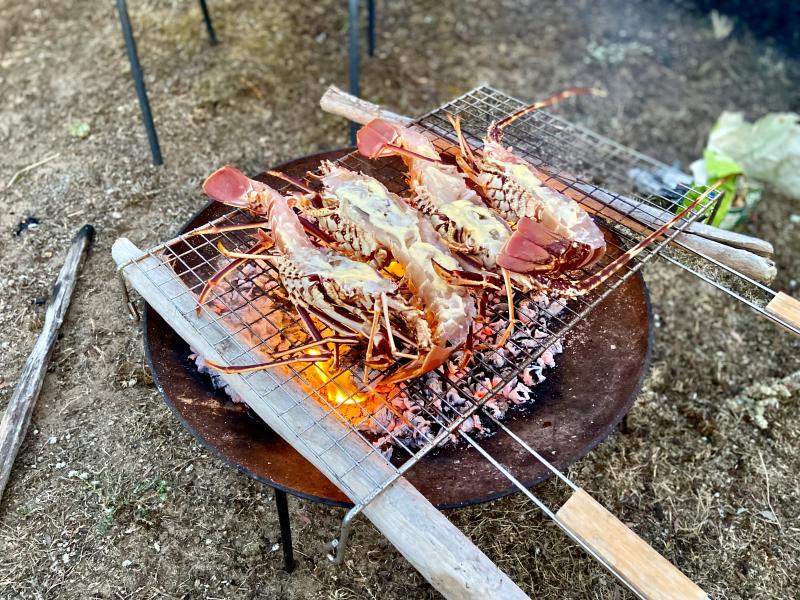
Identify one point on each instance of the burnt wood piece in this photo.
(571, 415)
(18, 412)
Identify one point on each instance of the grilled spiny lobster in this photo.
(474, 232)
(350, 297)
(535, 253)
(554, 234)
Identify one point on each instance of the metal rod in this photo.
(354, 58)
(336, 548)
(133, 313)
(550, 514)
(138, 80)
(371, 27)
(212, 36)
(286, 530)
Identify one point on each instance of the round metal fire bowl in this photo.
(593, 386)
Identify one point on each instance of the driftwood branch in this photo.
(438, 550)
(746, 254)
(18, 413)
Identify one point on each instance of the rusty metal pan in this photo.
(593, 386)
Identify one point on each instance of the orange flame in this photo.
(340, 390)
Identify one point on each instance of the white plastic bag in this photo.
(767, 150)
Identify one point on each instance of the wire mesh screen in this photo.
(249, 314)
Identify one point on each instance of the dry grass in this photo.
(112, 499)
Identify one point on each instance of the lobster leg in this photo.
(466, 159)
(376, 319)
(293, 180)
(227, 270)
(239, 255)
(387, 149)
(237, 369)
(395, 351)
(227, 228)
(467, 278)
(511, 316)
(336, 340)
(469, 347)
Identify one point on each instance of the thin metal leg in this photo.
(138, 80)
(212, 36)
(371, 27)
(286, 530)
(353, 51)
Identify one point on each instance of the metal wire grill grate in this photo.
(590, 166)
(247, 315)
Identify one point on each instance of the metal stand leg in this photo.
(138, 79)
(353, 51)
(212, 37)
(371, 27)
(286, 530)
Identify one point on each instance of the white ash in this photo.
(413, 407)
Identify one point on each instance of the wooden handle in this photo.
(18, 412)
(628, 555)
(785, 308)
(337, 102)
(752, 265)
(654, 216)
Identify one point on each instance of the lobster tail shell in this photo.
(533, 248)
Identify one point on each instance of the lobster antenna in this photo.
(498, 127)
(294, 181)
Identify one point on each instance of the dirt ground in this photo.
(111, 498)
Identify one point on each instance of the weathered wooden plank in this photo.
(436, 548)
(18, 412)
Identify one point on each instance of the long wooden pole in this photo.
(438, 550)
(18, 413)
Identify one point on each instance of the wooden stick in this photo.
(337, 102)
(654, 216)
(641, 218)
(18, 412)
(438, 550)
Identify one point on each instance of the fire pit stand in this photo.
(568, 417)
